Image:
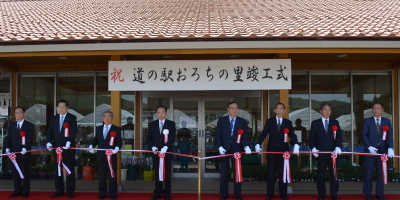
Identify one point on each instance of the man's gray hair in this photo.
(108, 111)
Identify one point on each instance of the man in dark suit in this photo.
(274, 127)
(19, 138)
(158, 129)
(323, 138)
(108, 136)
(228, 129)
(375, 142)
(61, 133)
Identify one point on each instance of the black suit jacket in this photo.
(371, 137)
(223, 135)
(154, 138)
(323, 141)
(56, 138)
(105, 143)
(14, 140)
(277, 138)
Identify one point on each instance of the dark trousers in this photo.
(370, 163)
(275, 161)
(69, 161)
(322, 163)
(104, 169)
(163, 187)
(22, 186)
(223, 183)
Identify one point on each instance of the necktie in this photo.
(279, 124)
(61, 122)
(161, 126)
(326, 126)
(105, 132)
(232, 126)
(19, 127)
(378, 127)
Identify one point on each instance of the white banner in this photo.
(263, 74)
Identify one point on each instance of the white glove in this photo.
(67, 145)
(221, 150)
(115, 150)
(49, 146)
(23, 151)
(390, 153)
(315, 150)
(7, 151)
(258, 148)
(91, 149)
(372, 150)
(164, 149)
(154, 149)
(338, 151)
(247, 149)
(296, 149)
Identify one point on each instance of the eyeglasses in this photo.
(233, 108)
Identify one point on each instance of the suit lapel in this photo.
(322, 129)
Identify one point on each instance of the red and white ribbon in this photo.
(384, 159)
(334, 129)
(334, 156)
(286, 131)
(22, 134)
(66, 129)
(13, 157)
(238, 168)
(60, 162)
(287, 176)
(165, 132)
(161, 166)
(113, 134)
(385, 129)
(109, 159)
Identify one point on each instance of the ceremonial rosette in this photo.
(334, 129)
(66, 129)
(384, 159)
(240, 133)
(22, 134)
(238, 168)
(287, 177)
(385, 129)
(165, 132)
(334, 156)
(113, 134)
(286, 132)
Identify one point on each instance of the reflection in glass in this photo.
(78, 90)
(368, 88)
(128, 120)
(186, 116)
(334, 89)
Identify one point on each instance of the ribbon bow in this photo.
(286, 131)
(66, 129)
(384, 159)
(60, 162)
(109, 159)
(238, 167)
(240, 133)
(13, 157)
(161, 166)
(287, 177)
(334, 129)
(113, 134)
(22, 134)
(334, 156)
(385, 129)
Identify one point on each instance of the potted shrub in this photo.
(49, 168)
(147, 166)
(88, 160)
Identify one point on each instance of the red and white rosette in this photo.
(109, 159)
(286, 131)
(385, 129)
(334, 156)
(238, 167)
(66, 129)
(334, 129)
(12, 157)
(161, 166)
(165, 132)
(22, 134)
(384, 159)
(287, 176)
(113, 134)
(60, 162)
(240, 133)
